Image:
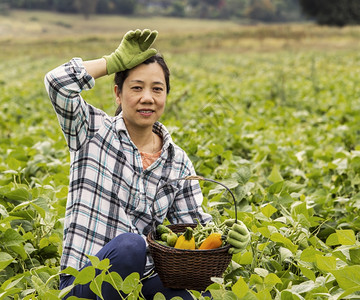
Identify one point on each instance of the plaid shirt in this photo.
(109, 191)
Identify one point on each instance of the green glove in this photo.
(238, 236)
(132, 51)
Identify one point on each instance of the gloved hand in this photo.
(238, 236)
(132, 51)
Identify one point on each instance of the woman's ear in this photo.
(117, 94)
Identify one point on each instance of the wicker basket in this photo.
(188, 269)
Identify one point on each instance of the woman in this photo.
(117, 164)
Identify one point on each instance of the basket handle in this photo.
(193, 177)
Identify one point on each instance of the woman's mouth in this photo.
(145, 112)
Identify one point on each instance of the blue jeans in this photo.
(127, 254)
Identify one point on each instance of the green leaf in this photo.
(264, 295)
(85, 275)
(38, 284)
(131, 282)
(276, 188)
(271, 280)
(11, 238)
(240, 288)
(70, 271)
(264, 231)
(355, 256)
(347, 277)
(246, 258)
(19, 249)
(11, 283)
(104, 264)
(13, 163)
(3, 211)
(275, 175)
(159, 296)
(40, 206)
(290, 295)
(197, 294)
(74, 298)
(346, 237)
(261, 271)
(96, 284)
(285, 254)
(250, 295)
(10, 292)
(292, 187)
(332, 239)
(268, 210)
(349, 291)
(65, 291)
(44, 242)
(243, 174)
(326, 263)
(19, 194)
(229, 296)
(114, 279)
(303, 287)
(255, 279)
(279, 238)
(217, 294)
(95, 261)
(309, 254)
(307, 272)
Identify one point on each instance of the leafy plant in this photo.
(280, 128)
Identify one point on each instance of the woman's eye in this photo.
(136, 88)
(158, 89)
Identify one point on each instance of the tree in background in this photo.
(234, 8)
(262, 10)
(332, 12)
(86, 7)
(65, 6)
(31, 4)
(207, 8)
(177, 8)
(287, 10)
(125, 7)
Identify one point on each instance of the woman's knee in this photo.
(127, 251)
(129, 243)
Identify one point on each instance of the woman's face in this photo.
(143, 96)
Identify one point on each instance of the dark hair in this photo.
(121, 76)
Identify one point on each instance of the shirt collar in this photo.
(158, 128)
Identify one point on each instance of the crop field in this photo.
(272, 111)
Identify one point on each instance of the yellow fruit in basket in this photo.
(213, 241)
(186, 240)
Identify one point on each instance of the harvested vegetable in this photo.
(186, 240)
(213, 241)
(160, 229)
(171, 239)
(162, 243)
(164, 236)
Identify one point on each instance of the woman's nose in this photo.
(147, 95)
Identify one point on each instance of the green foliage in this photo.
(338, 13)
(261, 10)
(279, 128)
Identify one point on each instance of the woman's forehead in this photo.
(145, 72)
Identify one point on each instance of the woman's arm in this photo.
(77, 119)
(96, 68)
